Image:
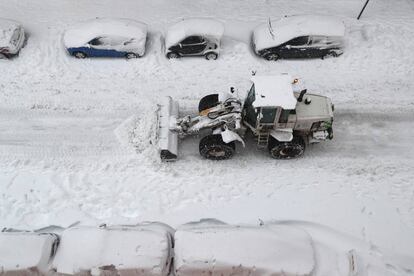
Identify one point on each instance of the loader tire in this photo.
(212, 147)
(286, 150)
(208, 101)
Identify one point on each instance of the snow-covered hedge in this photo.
(121, 250)
(242, 250)
(25, 253)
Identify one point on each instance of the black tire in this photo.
(211, 56)
(79, 55)
(271, 56)
(286, 150)
(131, 55)
(173, 55)
(212, 147)
(208, 101)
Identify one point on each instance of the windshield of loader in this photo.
(250, 111)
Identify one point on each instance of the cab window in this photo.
(284, 116)
(268, 115)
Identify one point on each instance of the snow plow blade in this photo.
(167, 138)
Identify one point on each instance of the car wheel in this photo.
(207, 102)
(212, 147)
(286, 150)
(172, 55)
(271, 56)
(131, 55)
(211, 56)
(79, 55)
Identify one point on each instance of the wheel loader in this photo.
(282, 118)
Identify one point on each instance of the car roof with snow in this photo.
(144, 248)
(7, 28)
(272, 91)
(81, 33)
(231, 250)
(193, 26)
(275, 33)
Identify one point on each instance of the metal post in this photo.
(363, 8)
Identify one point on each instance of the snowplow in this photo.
(282, 118)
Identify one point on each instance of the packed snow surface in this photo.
(7, 28)
(76, 136)
(22, 252)
(242, 250)
(193, 26)
(141, 250)
(274, 91)
(280, 31)
(80, 34)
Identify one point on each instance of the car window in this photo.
(97, 41)
(110, 41)
(298, 41)
(192, 40)
(319, 40)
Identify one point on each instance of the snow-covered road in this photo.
(75, 134)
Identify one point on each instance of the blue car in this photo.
(104, 37)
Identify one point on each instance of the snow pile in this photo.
(274, 91)
(116, 28)
(138, 250)
(243, 250)
(25, 253)
(7, 28)
(280, 31)
(194, 26)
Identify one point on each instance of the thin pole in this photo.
(363, 8)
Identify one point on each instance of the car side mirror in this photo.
(180, 45)
(288, 46)
(232, 90)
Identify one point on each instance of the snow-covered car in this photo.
(106, 37)
(140, 250)
(221, 249)
(26, 253)
(194, 37)
(12, 38)
(299, 36)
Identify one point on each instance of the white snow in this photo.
(116, 28)
(7, 28)
(75, 135)
(243, 250)
(22, 253)
(193, 26)
(272, 91)
(139, 250)
(287, 28)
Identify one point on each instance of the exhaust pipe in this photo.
(302, 93)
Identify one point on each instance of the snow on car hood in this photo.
(83, 32)
(280, 31)
(193, 26)
(7, 27)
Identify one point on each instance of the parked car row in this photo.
(208, 247)
(298, 36)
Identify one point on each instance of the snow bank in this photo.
(7, 28)
(126, 250)
(242, 250)
(25, 253)
(194, 26)
(274, 91)
(287, 28)
(80, 34)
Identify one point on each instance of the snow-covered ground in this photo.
(75, 134)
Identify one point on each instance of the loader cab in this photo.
(262, 115)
